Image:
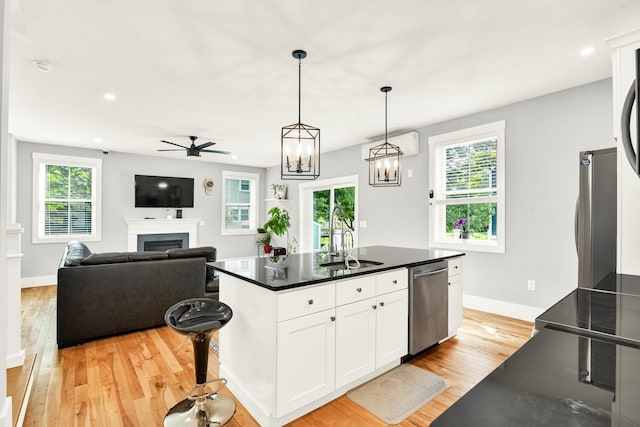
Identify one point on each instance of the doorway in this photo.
(317, 201)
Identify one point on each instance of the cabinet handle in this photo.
(374, 306)
(359, 290)
(333, 318)
(381, 303)
(456, 267)
(310, 301)
(395, 282)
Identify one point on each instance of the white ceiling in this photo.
(223, 70)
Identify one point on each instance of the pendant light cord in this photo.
(299, 86)
(385, 118)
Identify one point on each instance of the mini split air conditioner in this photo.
(409, 143)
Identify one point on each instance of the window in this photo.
(240, 207)
(66, 202)
(467, 182)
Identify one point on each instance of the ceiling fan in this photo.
(195, 150)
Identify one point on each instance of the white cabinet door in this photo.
(455, 304)
(392, 323)
(355, 340)
(305, 360)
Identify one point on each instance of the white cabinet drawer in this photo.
(455, 266)
(306, 301)
(348, 291)
(391, 281)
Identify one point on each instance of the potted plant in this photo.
(461, 226)
(278, 223)
(263, 236)
(279, 191)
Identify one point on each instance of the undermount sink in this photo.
(339, 265)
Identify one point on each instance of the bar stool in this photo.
(199, 318)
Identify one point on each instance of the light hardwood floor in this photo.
(132, 379)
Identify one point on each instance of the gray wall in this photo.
(543, 138)
(118, 172)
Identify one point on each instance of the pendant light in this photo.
(385, 160)
(299, 143)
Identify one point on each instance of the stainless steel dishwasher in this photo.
(428, 305)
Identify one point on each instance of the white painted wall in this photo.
(6, 416)
(40, 261)
(543, 138)
(623, 58)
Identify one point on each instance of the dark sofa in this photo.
(106, 294)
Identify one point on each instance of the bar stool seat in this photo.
(199, 319)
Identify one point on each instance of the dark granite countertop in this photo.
(580, 369)
(555, 379)
(292, 271)
(610, 311)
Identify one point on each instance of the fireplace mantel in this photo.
(158, 226)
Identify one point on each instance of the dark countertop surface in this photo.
(581, 369)
(555, 379)
(610, 311)
(295, 270)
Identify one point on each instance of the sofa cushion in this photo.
(147, 255)
(106, 258)
(208, 252)
(76, 252)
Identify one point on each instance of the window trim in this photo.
(254, 186)
(40, 159)
(466, 136)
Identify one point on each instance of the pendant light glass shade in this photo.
(385, 160)
(299, 143)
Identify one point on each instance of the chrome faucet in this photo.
(333, 250)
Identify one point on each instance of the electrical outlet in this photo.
(531, 285)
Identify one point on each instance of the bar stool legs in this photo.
(204, 407)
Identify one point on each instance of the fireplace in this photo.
(163, 241)
(137, 228)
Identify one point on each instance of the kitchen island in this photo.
(306, 330)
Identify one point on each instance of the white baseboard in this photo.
(502, 308)
(34, 281)
(6, 419)
(15, 359)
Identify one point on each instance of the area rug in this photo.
(395, 395)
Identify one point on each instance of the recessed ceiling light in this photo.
(234, 157)
(43, 66)
(586, 51)
(109, 96)
(97, 140)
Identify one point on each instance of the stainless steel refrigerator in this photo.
(596, 216)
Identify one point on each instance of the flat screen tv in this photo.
(163, 192)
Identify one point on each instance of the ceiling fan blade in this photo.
(172, 149)
(205, 145)
(173, 143)
(216, 151)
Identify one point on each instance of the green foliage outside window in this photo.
(68, 205)
(344, 196)
(471, 173)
